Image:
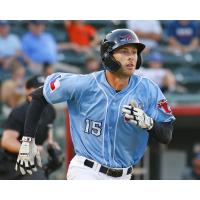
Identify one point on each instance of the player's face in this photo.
(127, 56)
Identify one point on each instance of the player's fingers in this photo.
(136, 114)
(130, 110)
(127, 107)
(134, 122)
(21, 167)
(137, 117)
(127, 111)
(38, 159)
(136, 109)
(16, 166)
(28, 168)
(127, 116)
(22, 170)
(32, 164)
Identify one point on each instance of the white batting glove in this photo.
(28, 156)
(137, 117)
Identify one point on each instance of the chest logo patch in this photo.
(164, 106)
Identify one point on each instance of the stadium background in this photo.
(160, 161)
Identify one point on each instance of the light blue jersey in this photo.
(98, 128)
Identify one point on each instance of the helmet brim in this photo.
(140, 47)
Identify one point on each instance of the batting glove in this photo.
(137, 117)
(28, 156)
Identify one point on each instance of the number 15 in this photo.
(93, 127)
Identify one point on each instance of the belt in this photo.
(109, 171)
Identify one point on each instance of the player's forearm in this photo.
(11, 145)
(162, 131)
(34, 112)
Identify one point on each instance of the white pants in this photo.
(78, 171)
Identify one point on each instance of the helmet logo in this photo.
(124, 38)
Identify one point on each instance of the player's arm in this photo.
(35, 109)
(28, 152)
(158, 118)
(161, 131)
(58, 87)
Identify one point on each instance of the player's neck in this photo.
(118, 83)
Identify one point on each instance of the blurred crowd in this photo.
(43, 47)
(36, 51)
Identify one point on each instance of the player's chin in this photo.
(126, 72)
(129, 72)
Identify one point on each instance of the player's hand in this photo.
(137, 116)
(28, 157)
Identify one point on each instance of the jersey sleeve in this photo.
(159, 109)
(46, 121)
(48, 115)
(61, 87)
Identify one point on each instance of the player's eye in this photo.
(134, 51)
(124, 51)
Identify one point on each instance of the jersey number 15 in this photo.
(93, 127)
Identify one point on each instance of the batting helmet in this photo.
(115, 39)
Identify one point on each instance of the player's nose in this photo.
(131, 57)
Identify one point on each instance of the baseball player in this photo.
(112, 113)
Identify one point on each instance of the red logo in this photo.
(54, 84)
(163, 105)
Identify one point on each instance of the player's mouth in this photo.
(130, 66)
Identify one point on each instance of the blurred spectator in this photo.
(48, 69)
(83, 38)
(40, 47)
(148, 31)
(0, 104)
(163, 77)
(12, 92)
(92, 64)
(1, 114)
(183, 36)
(0, 98)
(193, 173)
(10, 46)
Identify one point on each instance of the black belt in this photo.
(108, 171)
